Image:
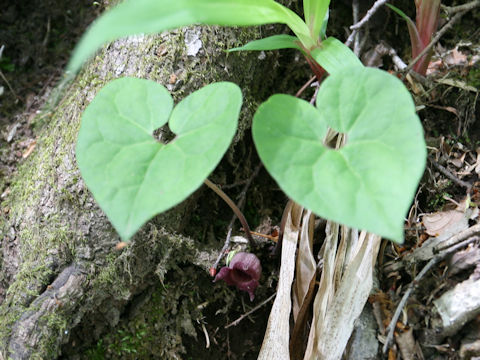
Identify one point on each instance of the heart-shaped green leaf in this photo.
(132, 175)
(370, 182)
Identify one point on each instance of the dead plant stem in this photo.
(8, 84)
(236, 322)
(355, 11)
(464, 7)
(364, 20)
(452, 177)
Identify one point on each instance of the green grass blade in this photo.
(274, 42)
(152, 16)
(315, 15)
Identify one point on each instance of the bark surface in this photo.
(60, 275)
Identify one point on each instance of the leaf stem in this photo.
(234, 207)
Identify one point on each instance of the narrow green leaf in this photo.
(415, 39)
(323, 30)
(334, 56)
(315, 15)
(417, 45)
(132, 175)
(399, 12)
(274, 42)
(152, 16)
(370, 182)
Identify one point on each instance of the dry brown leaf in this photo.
(468, 258)
(392, 355)
(455, 58)
(325, 288)
(299, 338)
(458, 162)
(276, 341)
(417, 88)
(445, 225)
(438, 223)
(434, 66)
(305, 265)
(450, 109)
(335, 313)
(303, 289)
(408, 346)
(457, 83)
(468, 169)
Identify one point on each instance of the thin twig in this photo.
(3, 76)
(231, 186)
(383, 49)
(437, 37)
(315, 94)
(411, 287)
(47, 34)
(355, 11)
(364, 41)
(236, 322)
(465, 7)
(458, 238)
(226, 245)
(302, 89)
(207, 338)
(452, 177)
(364, 20)
(8, 84)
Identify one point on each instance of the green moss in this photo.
(157, 330)
(473, 78)
(57, 323)
(7, 319)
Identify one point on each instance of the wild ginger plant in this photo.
(368, 183)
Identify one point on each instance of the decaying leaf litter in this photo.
(444, 215)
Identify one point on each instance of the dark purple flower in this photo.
(243, 271)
